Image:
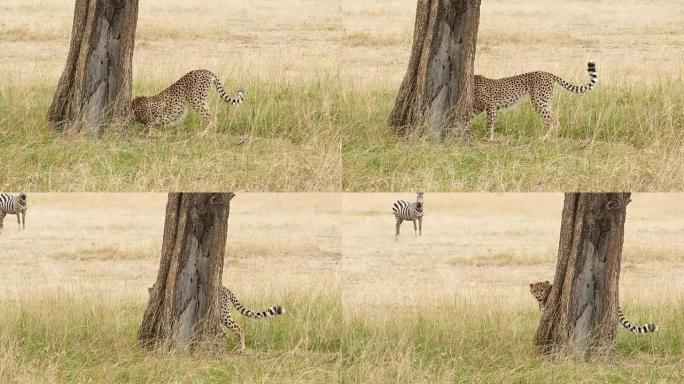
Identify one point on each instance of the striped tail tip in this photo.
(591, 66)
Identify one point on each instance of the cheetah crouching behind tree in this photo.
(541, 290)
(493, 94)
(171, 105)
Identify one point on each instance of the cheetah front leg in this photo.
(150, 130)
(491, 121)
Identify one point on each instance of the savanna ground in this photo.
(627, 134)
(73, 289)
(321, 79)
(450, 306)
(454, 305)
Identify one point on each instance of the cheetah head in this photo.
(540, 290)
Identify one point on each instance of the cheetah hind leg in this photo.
(235, 328)
(202, 107)
(543, 108)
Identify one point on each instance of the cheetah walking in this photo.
(494, 94)
(171, 105)
(225, 299)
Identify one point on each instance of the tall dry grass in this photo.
(456, 339)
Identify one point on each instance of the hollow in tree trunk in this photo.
(95, 86)
(436, 95)
(181, 310)
(580, 315)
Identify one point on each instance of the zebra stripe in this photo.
(270, 312)
(405, 210)
(593, 79)
(13, 205)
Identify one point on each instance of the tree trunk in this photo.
(436, 95)
(580, 316)
(95, 86)
(181, 310)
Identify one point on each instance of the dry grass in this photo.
(450, 306)
(323, 74)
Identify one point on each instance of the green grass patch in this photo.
(64, 338)
(285, 137)
(613, 138)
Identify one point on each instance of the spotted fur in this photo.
(494, 94)
(225, 300)
(541, 290)
(171, 105)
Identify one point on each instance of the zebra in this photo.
(13, 205)
(405, 210)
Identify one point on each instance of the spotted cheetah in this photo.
(225, 299)
(171, 105)
(541, 290)
(494, 94)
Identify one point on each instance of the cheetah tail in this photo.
(593, 79)
(641, 330)
(224, 96)
(270, 312)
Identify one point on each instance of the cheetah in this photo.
(226, 298)
(541, 290)
(494, 94)
(171, 105)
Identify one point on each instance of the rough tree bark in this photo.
(95, 86)
(436, 95)
(181, 310)
(580, 317)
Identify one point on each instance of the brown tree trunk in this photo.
(436, 95)
(95, 86)
(182, 306)
(580, 316)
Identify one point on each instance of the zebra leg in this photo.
(19, 220)
(2, 218)
(398, 225)
(420, 225)
(415, 228)
(23, 220)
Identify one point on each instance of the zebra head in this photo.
(419, 201)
